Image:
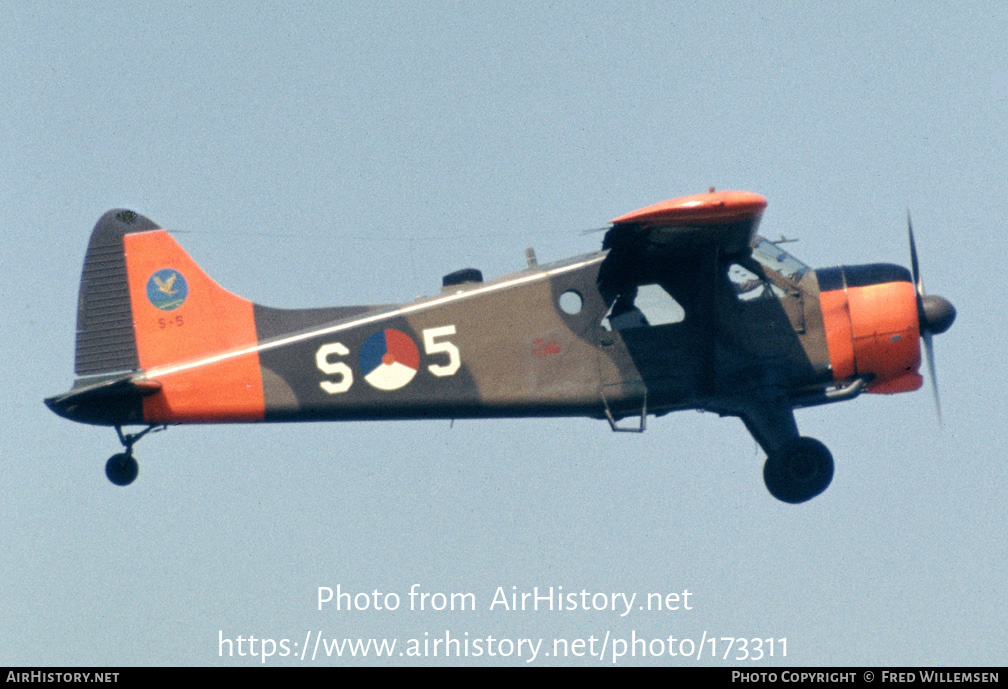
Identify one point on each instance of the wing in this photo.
(675, 235)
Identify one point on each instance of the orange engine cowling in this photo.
(872, 327)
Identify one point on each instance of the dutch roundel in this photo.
(389, 359)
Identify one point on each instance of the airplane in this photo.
(684, 307)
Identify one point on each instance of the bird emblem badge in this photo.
(167, 289)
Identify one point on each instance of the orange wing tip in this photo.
(700, 209)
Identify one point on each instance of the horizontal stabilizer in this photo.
(109, 399)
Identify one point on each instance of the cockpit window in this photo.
(778, 260)
(642, 306)
(749, 286)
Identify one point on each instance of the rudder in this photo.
(105, 339)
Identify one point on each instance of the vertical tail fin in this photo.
(145, 305)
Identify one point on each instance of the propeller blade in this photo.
(934, 315)
(929, 353)
(914, 267)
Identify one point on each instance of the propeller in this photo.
(935, 315)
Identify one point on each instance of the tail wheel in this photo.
(122, 469)
(799, 471)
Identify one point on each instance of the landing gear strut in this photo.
(122, 468)
(800, 470)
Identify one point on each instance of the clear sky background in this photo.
(317, 154)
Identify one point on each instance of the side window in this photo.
(643, 306)
(750, 286)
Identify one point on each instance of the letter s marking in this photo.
(334, 368)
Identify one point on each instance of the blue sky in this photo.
(316, 154)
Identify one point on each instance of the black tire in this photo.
(801, 470)
(122, 469)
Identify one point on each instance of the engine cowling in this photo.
(872, 325)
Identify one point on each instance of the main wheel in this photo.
(799, 471)
(122, 469)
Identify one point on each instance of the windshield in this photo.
(778, 260)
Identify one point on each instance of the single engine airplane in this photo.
(685, 307)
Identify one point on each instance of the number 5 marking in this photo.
(334, 368)
(432, 347)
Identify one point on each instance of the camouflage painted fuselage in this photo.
(533, 343)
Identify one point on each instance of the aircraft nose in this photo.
(939, 314)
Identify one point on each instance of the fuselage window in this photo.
(643, 306)
(570, 302)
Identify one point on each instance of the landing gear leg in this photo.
(797, 468)
(122, 468)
